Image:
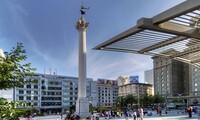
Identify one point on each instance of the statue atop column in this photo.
(82, 10)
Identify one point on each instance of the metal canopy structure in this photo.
(174, 33)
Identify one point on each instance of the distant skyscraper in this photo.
(148, 76)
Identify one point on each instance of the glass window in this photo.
(195, 84)
(195, 89)
(28, 92)
(35, 98)
(35, 86)
(28, 98)
(28, 86)
(36, 92)
(35, 104)
(21, 92)
(21, 98)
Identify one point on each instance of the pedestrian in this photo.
(190, 111)
(134, 115)
(126, 115)
(159, 111)
(141, 113)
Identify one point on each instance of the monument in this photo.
(82, 104)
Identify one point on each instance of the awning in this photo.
(174, 33)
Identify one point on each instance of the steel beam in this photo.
(178, 10)
(119, 37)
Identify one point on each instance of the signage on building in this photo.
(134, 79)
(106, 82)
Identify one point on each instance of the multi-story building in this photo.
(149, 79)
(51, 93)
(148, 76)
(135, 89)
(194, 89)
(107, 92)
(171, 77)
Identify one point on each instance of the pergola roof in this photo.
(175, 29)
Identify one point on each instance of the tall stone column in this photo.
(82, 104)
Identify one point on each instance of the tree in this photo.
(158, 99)
(130, 99)
(147, 99)
(120, 101)
(12, 69)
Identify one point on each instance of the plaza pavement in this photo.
(174, 116)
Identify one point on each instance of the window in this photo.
(28, 86)
(28, 92)
(28, 98)
(35, 86)
(195, 69)
(35, 104)
(36, 92)
(21, 98)
(195, 84)
(35, 98)
(21, 92)
(195, 89)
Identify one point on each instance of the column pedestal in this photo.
(82, 108)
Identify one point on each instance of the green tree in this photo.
(13, 68)
(147, 100)
(158, 99)
(120, 101)
(130, 99)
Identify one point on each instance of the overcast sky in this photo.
(47, 30)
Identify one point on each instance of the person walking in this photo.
(190, 111)
(141, 113)
(134, 115)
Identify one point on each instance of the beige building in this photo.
(136, 89)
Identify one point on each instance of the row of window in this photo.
(51, 104)
(28, 98)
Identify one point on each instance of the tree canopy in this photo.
(13, 68)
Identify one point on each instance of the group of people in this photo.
(136, 114)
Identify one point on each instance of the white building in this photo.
(107, 92)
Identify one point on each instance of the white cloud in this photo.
(103, 65)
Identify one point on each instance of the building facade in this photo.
(171, 77)
(51, 93)
(107, 92)
(148, 76)
(135, 89)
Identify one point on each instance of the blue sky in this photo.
(47, 30)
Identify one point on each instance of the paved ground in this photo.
(154, 117)
(172, 115)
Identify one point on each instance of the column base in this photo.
(82, 108)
